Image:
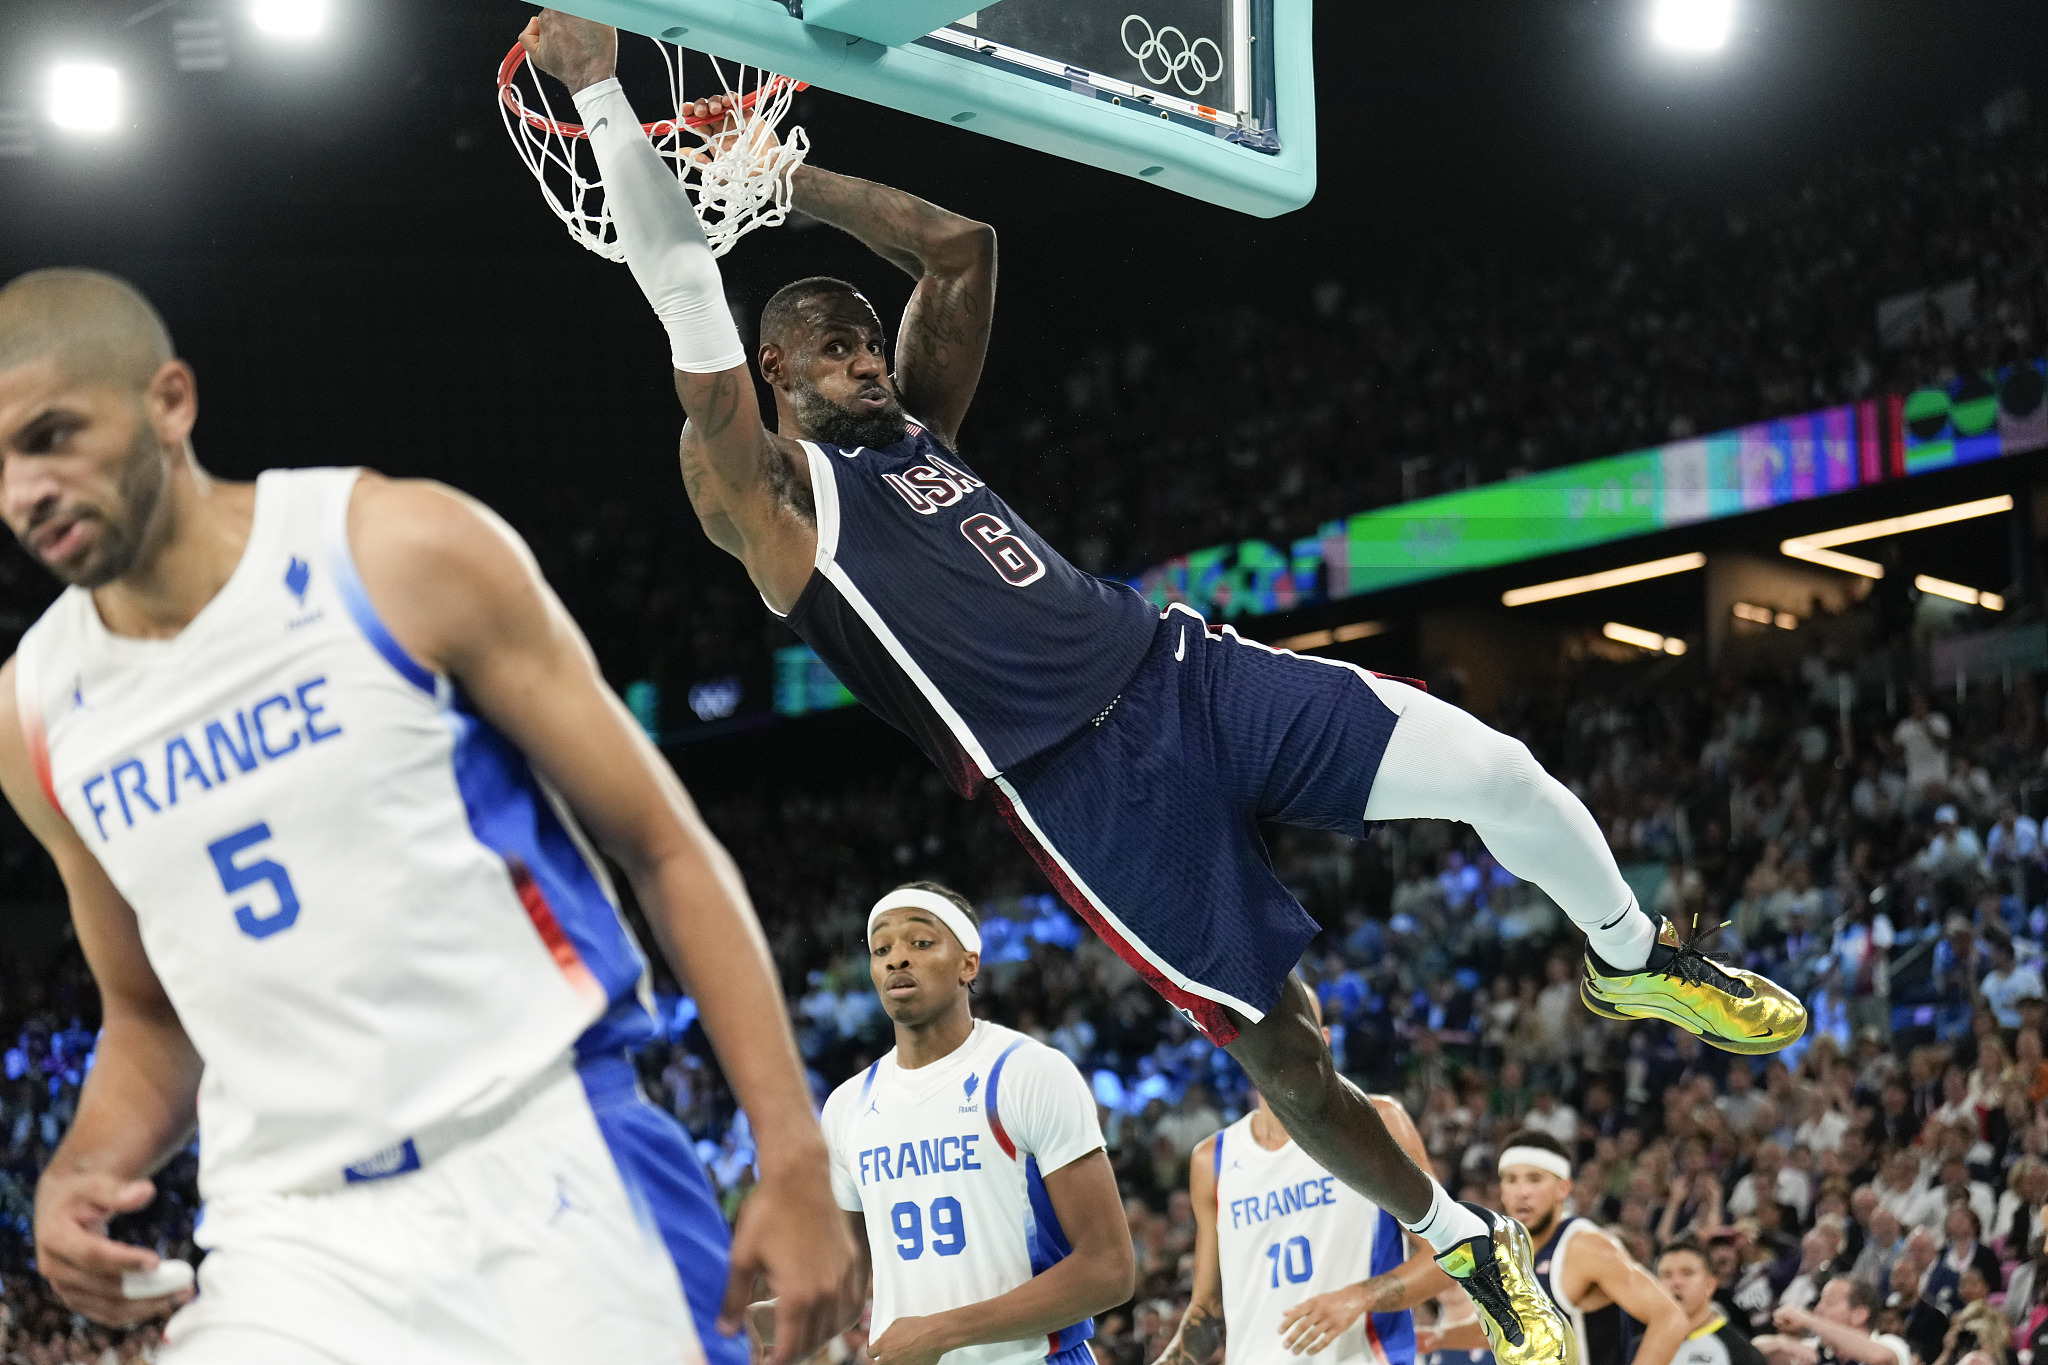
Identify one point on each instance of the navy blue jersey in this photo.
(949, 618)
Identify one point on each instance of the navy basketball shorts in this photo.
(1147, 819)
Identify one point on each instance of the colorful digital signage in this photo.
(1767, 464)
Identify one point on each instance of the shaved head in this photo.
(99, 330)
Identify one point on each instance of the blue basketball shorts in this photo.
(1147, 819)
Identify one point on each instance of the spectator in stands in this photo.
(1835, 1329)
(2008, 983)
(1923, 738)
(1771, 1180)
(1965, 1250)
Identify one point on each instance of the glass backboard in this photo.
(1211, 98)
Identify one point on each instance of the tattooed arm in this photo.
(944, 337)
(1200, 1338)
(750, 488)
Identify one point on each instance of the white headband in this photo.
(911, 898)
(1541, 1159)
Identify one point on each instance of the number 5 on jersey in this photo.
(240, 876)
(1000, 546)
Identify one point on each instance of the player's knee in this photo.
(1287, 1059)
(1517, 787)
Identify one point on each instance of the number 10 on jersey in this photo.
(1292, 1259)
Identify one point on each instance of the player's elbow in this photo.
(962, 247)
(1114, 1277)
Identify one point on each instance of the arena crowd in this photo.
(1871, 846)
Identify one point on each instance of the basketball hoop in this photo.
(734, 165)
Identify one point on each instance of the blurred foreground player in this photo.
(1583, 1270)
(1290, 1262)
(1133, 753)
(314, 756)
(971, 1165)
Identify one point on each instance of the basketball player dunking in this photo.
(1583, 1270)
(1289, 1262)
(314, 756)
(1132, 753)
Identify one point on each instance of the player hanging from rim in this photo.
(1280, 1267)
(1132, 752)
(971, 1165)
(1583, 1270)
(1710, 1339)
(311, 755)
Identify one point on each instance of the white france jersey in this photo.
(1286, 1231)
(947, 1163)
(372, 917)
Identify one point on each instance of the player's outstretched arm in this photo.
(140, 1102)
(1313, 1324)
(1098, 1275)
(1638, 1293)
(1200, 1336)
(750, 487)
(490, 622)
(944, 338)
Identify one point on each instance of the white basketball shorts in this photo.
(582, 1229)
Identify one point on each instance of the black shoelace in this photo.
(1690, 964)
(1486, 1285)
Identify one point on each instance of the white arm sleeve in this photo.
(663, 241)
(1049, 1108)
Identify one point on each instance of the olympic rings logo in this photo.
(1177, 60)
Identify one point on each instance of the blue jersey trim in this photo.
(349, 583)
(670, 1193)
(512, 816)
(1218, 1164)
(867, 1081)
(1076, 1354)
(1047, 1243)
(1396, 1331)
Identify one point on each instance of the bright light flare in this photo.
(1959, 592)
(85, 97)
(1594, 582)
(289, 18)
(1694, 27)
(1322, 639)
(1643, 639)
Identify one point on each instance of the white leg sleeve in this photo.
(1442, 763)
(664, 242)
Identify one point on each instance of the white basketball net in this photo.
(735, 167)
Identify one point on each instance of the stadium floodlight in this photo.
(1594, 582)
(1322, 639)
(289, 18)
(1643, 639)
(1958, 592)
(1695, 27)
(85, 97)
(1814, 548)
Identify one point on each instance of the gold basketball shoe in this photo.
(1521, 1323)
(1729, 1008)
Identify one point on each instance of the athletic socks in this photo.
(1448, 1222)
(1623, 940)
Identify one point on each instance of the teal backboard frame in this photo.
(1262, 162)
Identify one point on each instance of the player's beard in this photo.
(826, 421)
(123, 529)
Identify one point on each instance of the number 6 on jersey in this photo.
(1000, 546)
